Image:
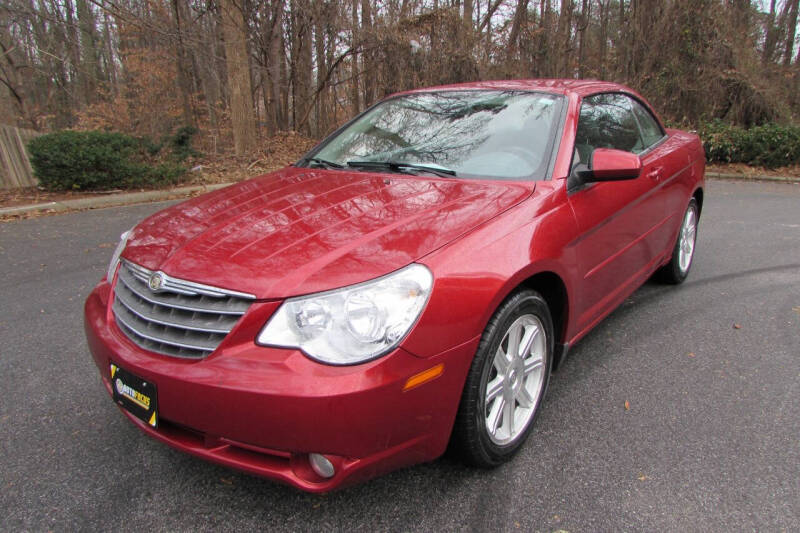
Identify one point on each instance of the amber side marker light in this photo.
(423, 377)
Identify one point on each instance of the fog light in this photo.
(321, 465)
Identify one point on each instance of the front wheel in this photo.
(506, 382)
(677, 269)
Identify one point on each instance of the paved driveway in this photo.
(710, 440)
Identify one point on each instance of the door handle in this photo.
(656, 173)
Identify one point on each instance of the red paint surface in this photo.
(303, 230)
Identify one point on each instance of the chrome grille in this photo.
(180, 318)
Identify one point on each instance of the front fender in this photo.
(474, 274)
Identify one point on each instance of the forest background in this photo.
(254, 80)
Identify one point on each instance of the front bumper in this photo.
(263, 410)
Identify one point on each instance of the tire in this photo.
(679, 265)
(488, 433)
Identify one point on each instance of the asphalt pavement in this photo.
(679, 412)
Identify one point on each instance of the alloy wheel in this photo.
(515, 381)
(687, 239)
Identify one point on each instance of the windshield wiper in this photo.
(399, 166)
(324, 163)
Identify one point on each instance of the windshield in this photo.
(489, 134)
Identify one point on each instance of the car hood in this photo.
(299, 230)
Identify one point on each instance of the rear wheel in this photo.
(682, 254)
(506, 382)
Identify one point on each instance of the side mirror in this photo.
(612, 165)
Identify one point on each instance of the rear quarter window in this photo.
(651, 131)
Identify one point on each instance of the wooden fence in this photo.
(15, 169)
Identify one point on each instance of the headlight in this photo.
(112, 266)
(353, 324)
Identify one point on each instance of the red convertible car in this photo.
(410, 282)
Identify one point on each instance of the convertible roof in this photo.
(558, 86)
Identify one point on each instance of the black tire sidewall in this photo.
(480, 448)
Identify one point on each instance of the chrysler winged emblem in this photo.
(156, 281)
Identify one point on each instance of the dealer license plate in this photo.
(135, 395)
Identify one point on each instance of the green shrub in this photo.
(178, 144)
(770, 145)
(181, 143)
(84, 160)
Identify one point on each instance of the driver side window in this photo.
(606, 121)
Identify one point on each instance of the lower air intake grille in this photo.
(171, 316)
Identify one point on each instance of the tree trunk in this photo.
(354, 44)
(488, 17)
(741, 19)
(183, 81)
(239, 84)
(542, 50)
(623, 54)
(204, 55)
(516, 24)
(792, 29)
(603, 38)
(330, 49)
(584, 23)
(320, 111)
(277, 116)
(89, 61)
(74, 40)
(564, 39)
(301, 60)
(368, 55)
(10, 78)
(284, 86)
(771, 37)
(111, 68)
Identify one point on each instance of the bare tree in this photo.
(791, 27)
(239, 84)
(151, 66)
